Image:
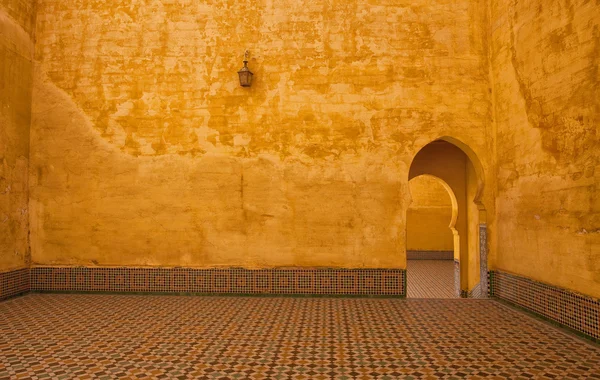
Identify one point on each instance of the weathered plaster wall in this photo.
(17, 20)
(545, 59)
(429, 216)
(146, 151)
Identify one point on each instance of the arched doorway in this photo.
(432, 241)
(458, 167)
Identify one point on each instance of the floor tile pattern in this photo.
(574, 310)
(84, 336)
(430, 279)
(326, 281)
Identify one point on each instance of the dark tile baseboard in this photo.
(578, 312)
(575, 311)
(429, 255)
(14, 283)
(300, 281)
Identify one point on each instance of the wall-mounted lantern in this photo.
(245, 73)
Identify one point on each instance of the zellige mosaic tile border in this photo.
(578, 312)
(573, 310)
(13, 283)
(317, 281)
(456, 266)
(429, 255)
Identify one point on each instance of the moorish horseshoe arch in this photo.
(435, 168)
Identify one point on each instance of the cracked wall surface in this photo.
(146, 151)
(17, 23)
(545, 59)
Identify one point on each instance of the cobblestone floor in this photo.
(430, 279)
(126, 336)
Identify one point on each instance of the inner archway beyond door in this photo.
(432, 242)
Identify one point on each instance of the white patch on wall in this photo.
(241, 140)
(124, 109)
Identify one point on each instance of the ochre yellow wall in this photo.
(472, 226)
(545, 57)
(146, 151)
(17, 20)
(429, 216)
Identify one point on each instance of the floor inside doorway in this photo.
(80, 336)
(430, 279)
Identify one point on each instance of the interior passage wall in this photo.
(17, 23)
(428, 218)
(146, 151)
(545, 59)
(473, 221)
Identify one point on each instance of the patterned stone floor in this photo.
(430, 279)
(74, 336)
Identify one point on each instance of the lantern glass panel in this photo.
(245, 78)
